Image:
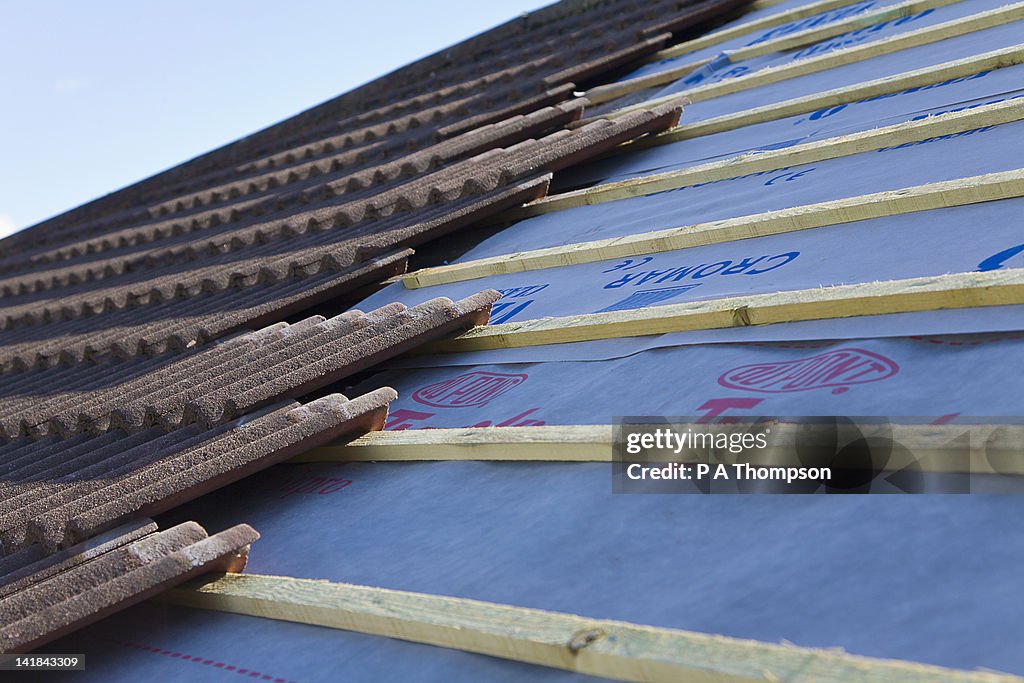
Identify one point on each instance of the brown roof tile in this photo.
(226, 380)
(25, 569)
(76, 590)
(502, 71)
(265, 259)
(240, 197)
(57, 493)
(585, 71)
(695, 15)
(191, 321)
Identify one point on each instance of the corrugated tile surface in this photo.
(56, 492)
(78, 313)
(102, 578)
(221, 382)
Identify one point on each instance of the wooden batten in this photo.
(917, 78)
(957, 290)
(988, 448)
(959, 192)
(577, 443)
(757, 162)
(598, 647)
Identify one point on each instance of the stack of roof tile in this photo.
(124, 438)
(221, 382)
(91, 445)
(57, 492)
(66, 591)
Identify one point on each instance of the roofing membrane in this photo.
(915, 18)
(817, 20)
(924, 243)
(885, 377)
(170, 350)
(726, 564)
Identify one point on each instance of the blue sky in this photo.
(96, 95)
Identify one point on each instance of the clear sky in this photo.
(96, 94)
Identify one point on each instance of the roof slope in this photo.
(716, 209)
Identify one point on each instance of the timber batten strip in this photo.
(960, 192)
(612, 649)
(755, 162)
(764, 4)
(809, 65)
(888, 85)
(989, 448)
(958, 290)
(580, 443)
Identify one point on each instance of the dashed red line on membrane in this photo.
(198, 660)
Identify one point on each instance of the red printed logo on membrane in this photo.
(469, 389)
(838, 368)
